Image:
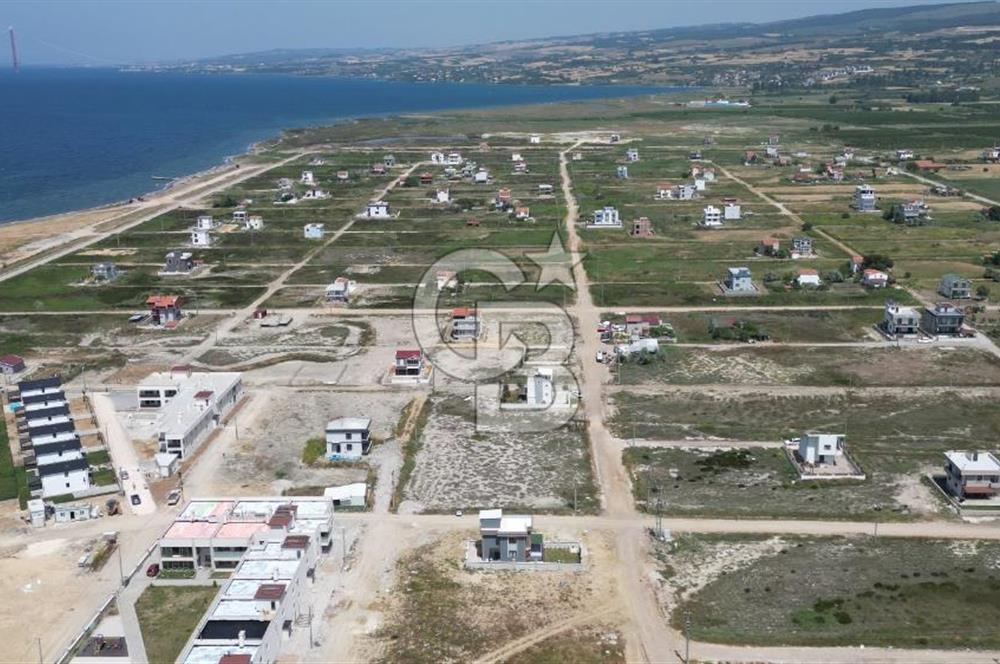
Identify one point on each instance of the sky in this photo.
(110, 32)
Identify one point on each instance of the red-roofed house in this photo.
(164, 309)
(874, 278)
(409, 363)
(928, 165)
(808, 277)
(464, 324)
(11, 364)
(856, 263)
(768, 246)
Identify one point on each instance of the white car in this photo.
(600, 356)
(174, 497)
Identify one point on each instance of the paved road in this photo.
(123, 454)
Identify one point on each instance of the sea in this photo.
(78, 138)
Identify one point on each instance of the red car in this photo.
(153, 570)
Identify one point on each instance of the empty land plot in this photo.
(819, 366)
(756, 483)
(874, 592)
(458, 467)
(167, 616)
(437, 613)
(795, 326)
(268, 456)
(593, 644)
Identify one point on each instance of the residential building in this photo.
(348, 495)
(943, 318)
(339, 290)
(446, 279)
(254, 222)
(343, 176)
(165, 309)
(272, 551)
(307, 178)
(377, 210)
(389, 160)
(545, 190)
(540, 388)
(899, 320)
(504, 198)
(314, 194)
(873, 278)
(955, 287)
(313, 231)
(732, 212)
(178, 262)
(426, 178)
(534, 139)
(640, 324)
(820, 448)
(54, 449)
(712, 217)
(642, 227)
(606, 217)
(522, 212)
(105, 271)
(971, 474)
(768, 246)
(11, 364)
(856, 263)
(808, 277)
(205, 222)
(738, 280)
(454, 159)
(443, 196)
(991, 154)
(864, 198)
(750, 158)
(348, 438)
(904, 155)
(464, 324)
(621, 172)
(64, 477)
(188, 405)
(802, 246)
(482, 177)
(437, 158)
(521, 167)
(200, 238)
(632, 154)
(507, 538)
(240, 215)
(913, 212)
(409, 363)
(700, 185)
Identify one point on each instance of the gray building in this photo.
(900, 320)
(955, 287)
(464, 324)
(104, 271)
(738, 280)
(864, 198)
(178, 262)
(507, 538)
(802, 245)
(942, 318)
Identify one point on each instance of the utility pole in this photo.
(121, 566)
(343, 548)
(687, 637)
(15, 61)
(39, 639)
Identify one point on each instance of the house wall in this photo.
(65, 482)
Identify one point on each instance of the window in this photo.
(348, 436)
(349, 447)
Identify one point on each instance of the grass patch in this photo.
(410, 448)
(167, 616)
(314, 450)
(103, 477)
(99, 457)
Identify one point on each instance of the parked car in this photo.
(174, 497)
(123, 474)
(153, 570)
(135, 499)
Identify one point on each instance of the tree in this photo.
(833, 99)
(983, 292)
(993, 213)
(877, 262)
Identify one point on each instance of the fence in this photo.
(473, 561)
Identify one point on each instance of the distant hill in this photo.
(950, 40)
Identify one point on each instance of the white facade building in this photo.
(189, 405)
(200, 238)
(348, 437)
(606, 217)
(732, 212)
(712, 217)
(377, 210)
(313, 231)
(816, 448)
(307, 178)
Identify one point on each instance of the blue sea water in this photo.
(76, 138)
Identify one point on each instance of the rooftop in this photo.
(974, 461)
(349, 424)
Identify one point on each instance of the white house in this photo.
(816, 448)
(443, 196)
(454, 159)
(348, 437)
(313, 231)
(732, 212)
(535, 139)
(699, 184)
(606, 217)
(314, 194)
(903, 155)
(200, 238)
(307, 178)
(482, 176)
(632, 154)
(446, 279)
(516, 156)
(864, 198)
(540, 388)
(621, 172)
(874, 278)
(254, 222)
(206, 222)
(64, 477)
(712, 217)
(377, 210)
(808, 277)
(437, 158)
(348, 495)
(970, 474)
(340, 290)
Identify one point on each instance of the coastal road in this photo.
(161, 204)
